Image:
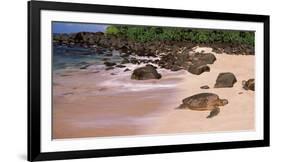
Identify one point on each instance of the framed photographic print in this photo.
(116, 80)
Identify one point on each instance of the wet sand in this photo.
(95, 103)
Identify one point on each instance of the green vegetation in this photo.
(147, 34)
(112, 30)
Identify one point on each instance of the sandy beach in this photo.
(96, 103)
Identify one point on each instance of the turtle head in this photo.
(224, 102)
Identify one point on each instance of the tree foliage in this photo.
(147, 34)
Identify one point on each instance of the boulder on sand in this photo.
(198, 69)
(205, 87)
(249, 84)
(206, 58)
(225, 80)
(146, 72)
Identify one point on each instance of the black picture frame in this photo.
(34, 81)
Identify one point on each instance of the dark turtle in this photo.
(204, 102)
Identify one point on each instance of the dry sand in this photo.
(87, 103)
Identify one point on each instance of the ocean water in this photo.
(75, 57)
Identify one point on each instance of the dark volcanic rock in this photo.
(105, 59)
(146, 72)
(203, 59)
(174, 61)
(238, 49)
(176, 68)
(134, 61)
(195, 63)
(205, 87)
(198, 69)
(152, 66)
(120, 66)
(125, 61)
(249, 84)
(207, 58)
(217, 50)
(109, 68)
(85, 66)
(107, 63)
(108, 54)
(88, 37)
(124, 55)
(127, 70)
(225, 80)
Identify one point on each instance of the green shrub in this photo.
(147, 34)
(112, 30)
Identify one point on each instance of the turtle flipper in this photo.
(182, 106)
(214, 112)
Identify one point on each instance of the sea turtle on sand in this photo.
(204, 102)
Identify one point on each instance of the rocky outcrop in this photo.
(233, 49)
(151, 49)
(225, 80)
(195, 63)
(145, 73)
(173, 55)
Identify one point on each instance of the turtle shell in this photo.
(201, 100)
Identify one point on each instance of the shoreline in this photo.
(136, 112)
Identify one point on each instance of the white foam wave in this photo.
(127, 85)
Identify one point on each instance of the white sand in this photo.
(237, 115)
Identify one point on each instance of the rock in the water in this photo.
(249, 84)
(109, 68)
(146, 72)
(225, 80)
(124, 54)
(125, 61)
(134, 61)
(107, 63)
(120, 66)
(198, 69)
(85, 66)
(155, 67)
(127, 70)
(105, 59)
(205, 87)
(176, 68)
